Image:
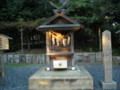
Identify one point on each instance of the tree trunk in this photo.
(21, 41)
(96, 39)
(99, 33)
(28, 40)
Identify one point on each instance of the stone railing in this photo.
(116, 59)
(88, 57)
(41, 58)
(24, 58)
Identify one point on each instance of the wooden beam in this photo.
(72, 43)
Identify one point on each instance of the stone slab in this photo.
(10, 58)
(92, 58)
(109, 86)
(99, 56)
(61, 80)
(16, 58)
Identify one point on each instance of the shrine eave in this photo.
(6, 36)
(59, 27)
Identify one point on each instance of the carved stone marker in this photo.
(107, 83)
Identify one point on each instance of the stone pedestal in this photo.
(61, 80)
(109, 86)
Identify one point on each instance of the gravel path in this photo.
(17, 77)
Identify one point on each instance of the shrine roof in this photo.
(59, 27)
(6, 36)
(59, 22)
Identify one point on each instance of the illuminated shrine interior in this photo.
(60, 38)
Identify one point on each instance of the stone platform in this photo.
(79, 79)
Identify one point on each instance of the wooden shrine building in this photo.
(59, 40)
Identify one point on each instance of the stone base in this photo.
(109, 86)
(61, 80)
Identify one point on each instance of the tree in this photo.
(12, 10)
(95, 15)
(24, 27)
(86, 13)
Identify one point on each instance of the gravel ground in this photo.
(17, 77)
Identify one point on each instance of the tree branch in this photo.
(54, 5)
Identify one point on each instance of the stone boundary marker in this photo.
(35, 58)
(107, 83)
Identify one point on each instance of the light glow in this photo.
(59, 39)
(43, 83)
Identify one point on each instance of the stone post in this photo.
(1, 62)
(107, 83)
(2, 67)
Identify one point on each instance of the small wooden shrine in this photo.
(59, 55)
(59, 40)
(4, 45)
(4, 42)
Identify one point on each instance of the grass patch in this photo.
(0, 74)
(4, 83)
(116, 52)
(88, 49)
(115, 63)
(38, 53)
(19, 65)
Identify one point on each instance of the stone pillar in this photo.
(0, 65)
(107, 83)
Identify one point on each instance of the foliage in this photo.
(18, 65)
(116, 52)
(22, 23)
(92, 14)
(12, 10)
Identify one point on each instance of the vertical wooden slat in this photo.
(72, 43)
(47, 42)
(47, 49)
(72, 47)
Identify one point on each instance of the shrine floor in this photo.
(17, 76)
